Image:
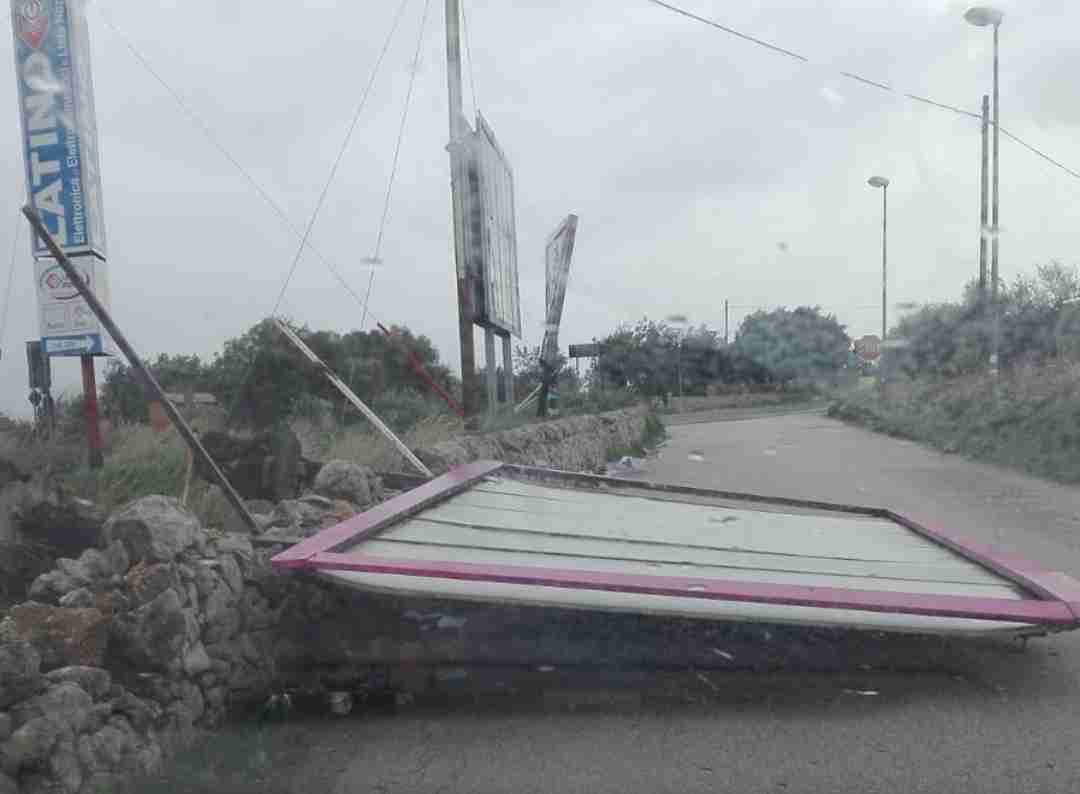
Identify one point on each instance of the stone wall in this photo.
(577, 443)
(126, 651)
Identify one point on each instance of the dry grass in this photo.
(364, 444)
(19, 442)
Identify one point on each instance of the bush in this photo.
(1028, 419)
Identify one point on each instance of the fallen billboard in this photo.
(522, 536)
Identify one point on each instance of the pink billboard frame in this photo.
(1053, 603)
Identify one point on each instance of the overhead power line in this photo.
(860, 79)
(394, 163)
(732, 31)
(469, 58)
(211, 136)
(341, 154)
(10, 279)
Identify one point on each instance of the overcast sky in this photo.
(702, 166)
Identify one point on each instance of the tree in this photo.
(261, 379)
(1036, 317)
(640, 357)
(800, 343)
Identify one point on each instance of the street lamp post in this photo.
(983, 16)
(683, 322)
(883, 183)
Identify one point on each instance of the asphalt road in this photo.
(967, 717)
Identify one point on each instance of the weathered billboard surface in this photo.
(489, 232)
(557, 255)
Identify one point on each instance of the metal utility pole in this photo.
(883, 183)
(994, 219)
(988, 16)
(983, 202)
(725, 321)
(457, 119)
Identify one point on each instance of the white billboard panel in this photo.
(68, 326)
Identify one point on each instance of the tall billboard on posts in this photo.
(59, 140)
(557, 254)
(490, 232)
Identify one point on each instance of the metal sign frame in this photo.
(557, 255)
(349, 395)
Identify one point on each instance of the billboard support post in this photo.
(465, 310)
(149, 381)
(95, 456)
(508, 369)
(492, 375)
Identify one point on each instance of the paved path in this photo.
(982, 717)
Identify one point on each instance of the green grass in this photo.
(1028, 420)
(363, 444)
(140, 462)
(652, 435)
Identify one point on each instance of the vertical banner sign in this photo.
(59, 138)
(557, 254)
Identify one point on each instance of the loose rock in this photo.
(82, 597)
(340, 479)
(94, 680)
(20, 676)
(153, 528)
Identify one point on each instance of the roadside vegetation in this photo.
(940, 389)
(258, 383)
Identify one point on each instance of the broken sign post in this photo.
(349, 395)
(149, 382)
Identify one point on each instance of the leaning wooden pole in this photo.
(148, 379)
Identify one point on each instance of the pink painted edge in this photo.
(1023, 611)
(374, 519)
(1042, 582)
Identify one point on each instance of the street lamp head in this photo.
(981, 16)
(877, 181)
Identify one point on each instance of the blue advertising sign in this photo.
(59, 132)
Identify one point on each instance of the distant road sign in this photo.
(868, 347)
(895, 344)
(586, 351)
